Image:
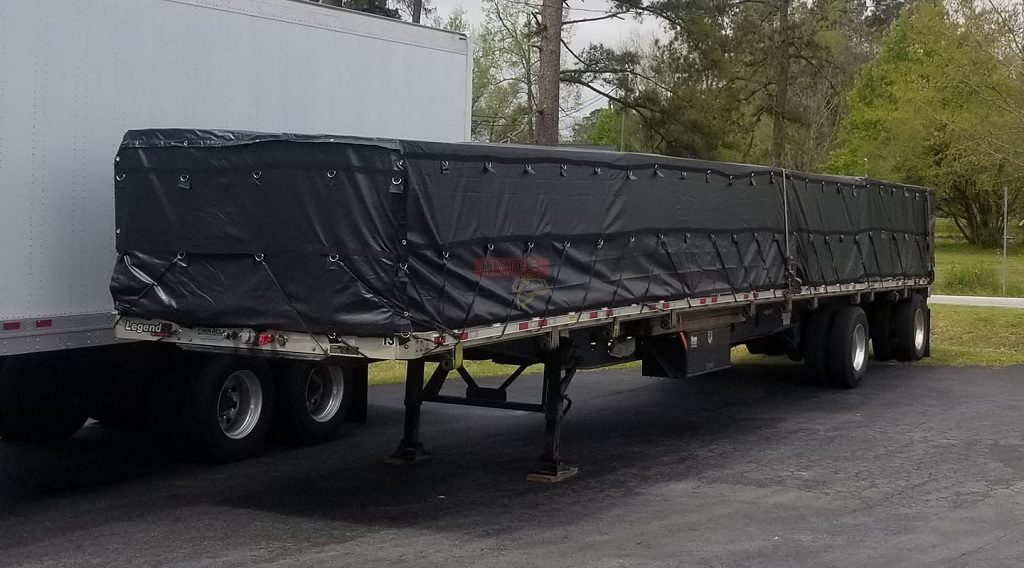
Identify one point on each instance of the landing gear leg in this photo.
(360, 383)
(410, 449)
(557, 377)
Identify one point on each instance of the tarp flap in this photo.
(376, 237)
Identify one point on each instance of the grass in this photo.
(961, 336)
(966, 270)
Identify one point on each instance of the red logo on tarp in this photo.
(497, 267)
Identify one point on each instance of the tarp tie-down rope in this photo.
(261, 260)
(558, 272)
(672, 261)
(590, 278)
(479, 279)
(153, 283)
(618, 280)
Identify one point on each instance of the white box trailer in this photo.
(74, 76)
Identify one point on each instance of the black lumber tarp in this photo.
(376, 237)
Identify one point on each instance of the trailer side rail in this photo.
(315, 346)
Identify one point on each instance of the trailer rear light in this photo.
(12, 325)
(44, 323)
(264, 339)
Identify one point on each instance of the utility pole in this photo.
(550, 67)
(781, 86)
(417, 11)
(1006, 236)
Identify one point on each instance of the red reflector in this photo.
(439, 340)
(714, 299)
(524, 325)
(264, 339)
(464, 336)
(664, 305)
(44, 323)
(593, 315)
(543, 322)
(703, 301)
(12, 325)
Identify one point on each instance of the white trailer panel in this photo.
(75, 75)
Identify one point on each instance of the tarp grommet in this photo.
(528, 169)
(597, 170)
(331, 173)
(563, 170)
(444, 166)
(488, 168)
(600, 243)
(657, 171)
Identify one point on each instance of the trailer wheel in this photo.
(848, 360)
(909, 329)
(313, 401)
(880, 324)
(816, 333)
(226, 409)
(38, 399)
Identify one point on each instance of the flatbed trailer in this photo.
(406, 259)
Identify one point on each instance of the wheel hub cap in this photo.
(240, 404)
(860, 347)
(325, 389)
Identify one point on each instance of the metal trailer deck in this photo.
(564, 343)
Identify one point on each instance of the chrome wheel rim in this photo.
(240, 404)
(919, 330)
(325, 389)
(860, 347)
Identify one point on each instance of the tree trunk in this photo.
(550, 63)
(781, 86)
(417, 11)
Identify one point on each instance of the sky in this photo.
(612, 32)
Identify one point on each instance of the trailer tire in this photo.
(880, 324)
(848, 347)
(816, 332)
(39, 401)
(313, 401)
(910, 329)
(227, 408)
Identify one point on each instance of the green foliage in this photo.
(972, 279)
(711, 90)
(934, 109)
(506, 66)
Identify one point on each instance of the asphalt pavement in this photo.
(921, 466)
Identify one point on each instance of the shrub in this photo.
(973, 279)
